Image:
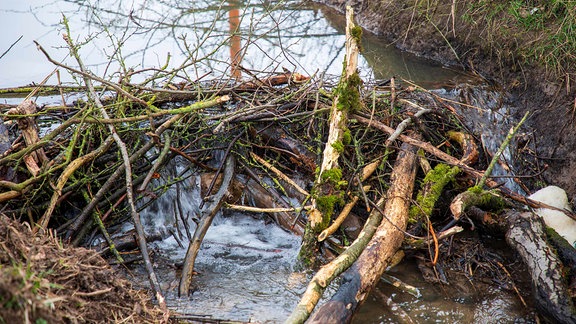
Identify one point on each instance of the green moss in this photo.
(346, 137)
(326, 205)
(348, 93)
(338, 146)
(356, 33)
(475, 189)
(432, 187)
(333, 175)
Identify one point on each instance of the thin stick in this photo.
(128, 176)
(157, 163)
(264, 210)
(279, 173)
(501, 149)
(67, 173)
(203, 226)
(339, 220)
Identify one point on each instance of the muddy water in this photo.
(245, 265)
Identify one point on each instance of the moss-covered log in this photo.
(360, 278)
(327, 195)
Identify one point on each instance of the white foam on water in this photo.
(244, 266)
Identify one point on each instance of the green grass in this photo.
(540, 32)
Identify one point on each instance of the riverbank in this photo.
(525, 50)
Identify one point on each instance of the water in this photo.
(271, 36)
(245, 265)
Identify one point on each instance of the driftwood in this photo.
(360, 278)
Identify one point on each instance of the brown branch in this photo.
(205, 222)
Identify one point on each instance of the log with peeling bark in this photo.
(326, 186)
(526, 235)
(362, 276)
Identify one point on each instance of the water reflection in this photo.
(235, 42)
(189, 40)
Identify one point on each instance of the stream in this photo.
(245, 265)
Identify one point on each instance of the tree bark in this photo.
(327, 186)
(361, 277)
(526, 235)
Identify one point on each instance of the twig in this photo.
(400, 128)
(213, 182)
(340, 219)
(157, 163)
(501, 149)
(12, 45)
(391, 280)
(89, 76)
(80, 219)
(279, 173)
(264, 210)
(70, 169)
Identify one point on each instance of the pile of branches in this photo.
(86, 166)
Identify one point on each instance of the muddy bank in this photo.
(511, 48)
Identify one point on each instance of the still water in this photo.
(199, 38)
(245, 266)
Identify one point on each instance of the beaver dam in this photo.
(270, 197)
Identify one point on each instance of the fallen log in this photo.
(361, 277)
(526, 235)
(327, 192)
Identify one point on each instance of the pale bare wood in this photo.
(339, 220)
(317, 219)
(263, 210)
(27, 125)
(339, 117)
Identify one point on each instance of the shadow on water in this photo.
(244, 266)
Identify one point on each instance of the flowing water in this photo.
(245, 265)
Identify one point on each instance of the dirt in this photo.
(41, 281)
(495, 53)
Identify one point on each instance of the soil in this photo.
(41, 281)
(496, 54)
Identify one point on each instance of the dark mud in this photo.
(547, 147)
